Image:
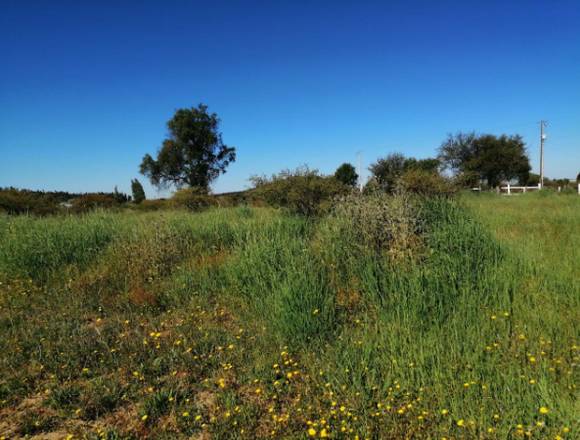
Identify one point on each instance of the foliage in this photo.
(22, 201)
(393, 317)
(533, 179)
(346, 174)
(302, 191)
(88, 202)
(491, 158)
(14, 201)
(193, 155)
(555, 183)
(388, 170)
(153, 205)
(389, 225)
(120, 197)
(430, 165)
(138, 191)
(193, 199)
(426, 183)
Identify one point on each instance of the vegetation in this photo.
(426, 183)
(387, 171)
(389, 317)
(301, 191)
(138, 191)
(346, 174)
(22, 201)
(194, 155)
(486, 158)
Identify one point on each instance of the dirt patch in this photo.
(141, 297)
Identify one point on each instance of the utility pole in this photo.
(542, 139)
(360, 181)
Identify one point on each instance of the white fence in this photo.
(509, 189)
(522, 189)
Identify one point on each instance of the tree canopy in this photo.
(193, 155)
(387, 171)
(346, 174)
(486, 157)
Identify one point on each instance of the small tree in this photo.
(346, 174)
(193, 155)
(386, 171)
(137, 190)
(533, 179)
(119, 196)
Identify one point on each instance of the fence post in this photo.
(579, 189)
(525, 189)
(539, 185)
(508, 189)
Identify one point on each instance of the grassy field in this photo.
(390, 318)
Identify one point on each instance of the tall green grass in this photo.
(393, 317)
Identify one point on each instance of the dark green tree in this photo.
(533, 179)
(137, 190)
(193, 155)
(487, 157)
(430, 165)
(119, 196)
(346, 174)
(387, 170)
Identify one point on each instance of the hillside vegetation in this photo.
(391, 317)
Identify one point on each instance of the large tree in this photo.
(486, 157)
(346, 174)
(193, 155)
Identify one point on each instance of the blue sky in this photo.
(87, 87)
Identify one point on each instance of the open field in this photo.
(391, 318)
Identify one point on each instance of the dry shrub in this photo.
(385, 224)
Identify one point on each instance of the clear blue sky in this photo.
(87, 87)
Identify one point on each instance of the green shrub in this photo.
(101, 396)
(89, 202)
(193, 199)
(302, 191)
(426, 183)
(152, 205)
(13, 201)
(64, 396)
